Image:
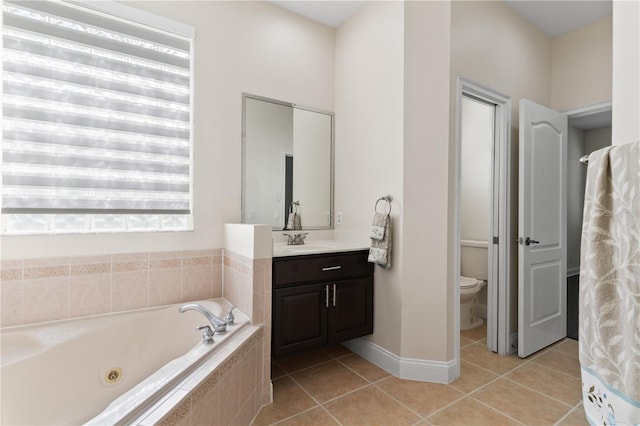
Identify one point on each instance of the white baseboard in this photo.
(404, 368)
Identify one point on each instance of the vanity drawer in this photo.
(319, 268)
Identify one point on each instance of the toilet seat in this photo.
(469, 283)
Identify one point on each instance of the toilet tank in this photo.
(474, 259)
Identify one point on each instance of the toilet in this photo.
(474, 269)
(469, 295)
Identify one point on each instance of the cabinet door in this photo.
(351, 309)
(299, 317)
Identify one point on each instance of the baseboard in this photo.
(404, 368)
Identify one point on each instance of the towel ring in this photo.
(387, 199)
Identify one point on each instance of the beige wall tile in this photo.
(10, 274)
(129, 290)
(89, 294)
(197, 282)
(45, 299)
(230, 397)
(165, 286)
(11, 303)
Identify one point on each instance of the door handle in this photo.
(528, 241)
(331, 268)
(326, 295)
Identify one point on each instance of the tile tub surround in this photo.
(49, 289)
(226, 393)
(247, 283)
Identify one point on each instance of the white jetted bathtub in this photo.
(106, 369)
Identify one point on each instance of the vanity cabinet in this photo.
(321, 298)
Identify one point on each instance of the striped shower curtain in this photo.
(610, 287)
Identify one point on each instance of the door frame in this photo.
(499, 271)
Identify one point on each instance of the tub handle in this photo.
(230, 318)
(207, 335)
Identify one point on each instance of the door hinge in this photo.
(495, 240)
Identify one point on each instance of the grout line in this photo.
(463, 394)
(495, 409)
(400, 402)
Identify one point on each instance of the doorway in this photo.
(487, 161)
(589, 130)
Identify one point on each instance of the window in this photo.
(97, 119)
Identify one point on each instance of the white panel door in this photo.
(542, 223)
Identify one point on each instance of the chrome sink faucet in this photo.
(219, 324)
(297, 239)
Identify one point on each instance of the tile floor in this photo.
(334, 386)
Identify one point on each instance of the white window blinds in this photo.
(96, 113)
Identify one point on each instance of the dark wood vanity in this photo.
(321, 298)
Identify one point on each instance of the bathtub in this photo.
(108, 369)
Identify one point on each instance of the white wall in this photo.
(576, 175)
(475, 169)
(369, 139)
(252, 47)
(626, 72)
(493, 46)
(581, 66)
(428, 297)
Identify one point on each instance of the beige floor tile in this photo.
(561, 360)
(370, 406)
(575, 418)
(472, 377)
(551, 383)
(480, 355)
(469, 412)
(465, 341)
(314, 417)
(304, 359)
(276, 371)
(521, 403)
(288, 399)
(422, 397)
(366, 369)
(327, 381)
(568, 346)
(337, 350)
(474, 334)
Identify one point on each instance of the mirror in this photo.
(287, 164)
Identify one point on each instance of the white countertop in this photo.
(281, 249)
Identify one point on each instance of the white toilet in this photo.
(474, 268)
(469, 295)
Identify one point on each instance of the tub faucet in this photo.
(219, 325)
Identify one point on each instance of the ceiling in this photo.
(553, 17)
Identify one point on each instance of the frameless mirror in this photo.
(287, 161)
